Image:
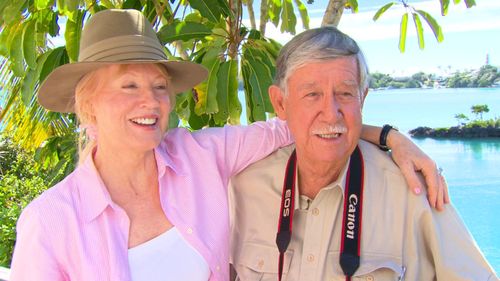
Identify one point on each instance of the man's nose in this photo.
(331, 109)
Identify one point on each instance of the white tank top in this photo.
(167, 257)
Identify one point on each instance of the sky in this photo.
(469, 36)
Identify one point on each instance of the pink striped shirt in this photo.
(74, 231)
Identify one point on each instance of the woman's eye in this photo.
(161, 87)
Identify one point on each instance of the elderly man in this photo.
(348, 203)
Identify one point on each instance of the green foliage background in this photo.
(20, 182)
(209, 32)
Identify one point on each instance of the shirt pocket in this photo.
(373, 267)
(260, 263)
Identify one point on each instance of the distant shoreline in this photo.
(456, 132)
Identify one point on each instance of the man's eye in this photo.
(346, 95)
(130, 86)
(312, 94)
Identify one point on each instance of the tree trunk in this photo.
(251, 14)
(263, 16)
(333, 13)
(234, 29)
(182, 53)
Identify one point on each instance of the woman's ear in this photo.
(278, 100)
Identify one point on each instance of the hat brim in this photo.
(57, 91)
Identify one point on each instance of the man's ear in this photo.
(278, 100)
(365, 93)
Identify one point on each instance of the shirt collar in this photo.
(165, 157)
(94, 195)
(339, 182)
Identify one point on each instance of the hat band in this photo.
(120, 48)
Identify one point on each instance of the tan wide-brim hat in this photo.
(114, 37)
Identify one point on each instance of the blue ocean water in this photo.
(472, 167)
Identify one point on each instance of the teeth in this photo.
(144, 121)
(329, 136)
(330, 131)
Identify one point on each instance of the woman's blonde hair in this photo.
(85, 94)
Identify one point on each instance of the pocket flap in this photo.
(370, 263)
(263, 258)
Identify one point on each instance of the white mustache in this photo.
(331, 129)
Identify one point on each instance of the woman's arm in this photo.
(32, 259)
(411, 160)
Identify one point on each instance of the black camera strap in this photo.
(351, 224)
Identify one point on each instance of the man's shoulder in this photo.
(375, 157)
(274, 162)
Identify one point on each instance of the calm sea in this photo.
(471, 167)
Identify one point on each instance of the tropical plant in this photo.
(461, 119)
(209, 32)
(20, 182)
(479, 109)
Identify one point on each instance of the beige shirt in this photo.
(402, 236)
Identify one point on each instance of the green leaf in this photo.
(274, 11)
(223, 82)
(12, 12)
(28, 87)
(207, 90)
(16, 53)
(209, 9)
(225, 9)
(29, 44)
(197, 121)
(108, 4)
(382, 10)
(54, 26)
(55, 58)
(184, 31)
(3, 4)
(5, 40)
(254, 113)
(173, 119)
(470, 3)
(353, 4)
(445, 4)
(258, 73)
(227, 94)
(234, 101)
(73, 34)
(29, 81)
(132, 4)
(420, 31)
(68, 8)
(402, 33)
(182, 107)
(43, 4)
(438, 33)
(303, 13)
(288, 19)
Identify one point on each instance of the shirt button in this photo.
(260, 264)
(189, 230)
(218, 268)
(310, 258)
(369, 278)
(315, 212)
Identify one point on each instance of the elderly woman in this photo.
(142, 204)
